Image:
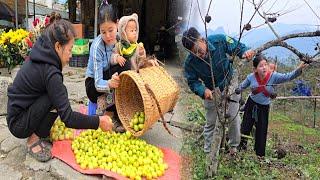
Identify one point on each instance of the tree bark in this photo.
(213, 157)
(280, 42)
(218, 136)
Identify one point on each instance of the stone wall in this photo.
(4, 83)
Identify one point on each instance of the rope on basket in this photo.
(159, 109)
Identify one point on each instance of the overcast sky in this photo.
(226, 13)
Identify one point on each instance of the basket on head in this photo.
(133, 96)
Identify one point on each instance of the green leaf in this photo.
(203, 118)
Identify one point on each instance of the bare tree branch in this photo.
(209, 7)
(268, 23)
(312, 9)
(317, 54)
(292, 49)
(200, 12)
(281, 42)
(190, 14)
(290, 36)
(288, 11)
(273, 5)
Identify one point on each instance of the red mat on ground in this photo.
(62, 150)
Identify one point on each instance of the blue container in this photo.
(92, 107)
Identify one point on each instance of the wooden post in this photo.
(16, 12)
(27, 15)
(34, 10)
(96, 18)
(72, 6)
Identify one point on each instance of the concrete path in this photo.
(16, 164)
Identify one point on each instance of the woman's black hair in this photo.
(59, 30)
(257, 59)
(107, 13)
(189, 38)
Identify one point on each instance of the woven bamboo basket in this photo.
(133, 95)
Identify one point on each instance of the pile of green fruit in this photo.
(137, 122)
(120, 153)
(60, 132)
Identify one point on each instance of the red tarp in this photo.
(62, 150)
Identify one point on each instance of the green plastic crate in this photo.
(80, 47)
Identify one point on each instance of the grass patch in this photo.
(301, 162)
(303, 130)
(194, 149)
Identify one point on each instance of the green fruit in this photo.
(128, 134)
(83, 166)
(141, 126)
(135, 121)
(136, 128)
(67, 136)
(120, 153)
(61, 137)
(55, 137)
(141, 120)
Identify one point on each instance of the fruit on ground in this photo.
(60, 132)
(120, 153)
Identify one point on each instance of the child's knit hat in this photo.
(123, 23)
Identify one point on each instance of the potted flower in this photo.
(14, 47)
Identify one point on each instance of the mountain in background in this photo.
(256, 37)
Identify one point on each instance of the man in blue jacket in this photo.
(198, 74)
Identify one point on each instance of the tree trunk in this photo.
(218, 135)
(213, 156)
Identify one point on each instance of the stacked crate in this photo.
(80, 53)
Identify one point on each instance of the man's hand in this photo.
(114, 81)
(208, 94)
(249, 54)
(105, 123)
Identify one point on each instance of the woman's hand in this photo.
(121, 60)
(303, 65)
(153, 63)
(114, 81)
(105, 123)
